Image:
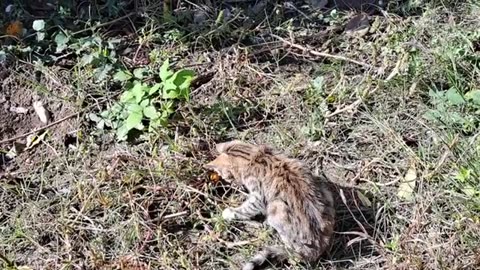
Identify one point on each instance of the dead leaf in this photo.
(15, 29)
(365, 201)
(41, 111)
(407, 186)
(33, 140)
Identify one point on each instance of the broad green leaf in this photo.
(135, 108)
(127, 96)
(122, 132)
(61, 40)
(407, 186)
(138, 73)
(154, 88)
(454, 97)
(94, 117)
(183, 78)
(122, 76)
(170, 90)
(86, 59)
(134, 119)
(150, 112)
(105, 114)
(138, 91)
(165, 72)
(101, 73)
(38, 25)
(144, 103)
(474, 96)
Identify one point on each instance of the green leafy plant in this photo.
(452, 109)
(143, 106)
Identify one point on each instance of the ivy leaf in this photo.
(150, 112)
(183, 79)
(122, 132)
(154, 88)
(138, 92)
(165, 72)
(144, 103)
(135, 108)
(138, 73)
(38, 25)
(122, 76)
(170, 90)
(127, 97)
(133, 120)
(61, 40)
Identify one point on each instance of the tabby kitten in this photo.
(294, 203)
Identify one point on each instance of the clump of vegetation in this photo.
(154, 103)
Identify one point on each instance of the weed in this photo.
(141, 102)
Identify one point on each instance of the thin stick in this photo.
(41, 128)
(179, 214)
(327, 55)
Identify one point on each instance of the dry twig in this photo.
(321, 54)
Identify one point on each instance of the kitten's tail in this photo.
(273, 255)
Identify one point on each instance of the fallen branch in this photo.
(321, 54)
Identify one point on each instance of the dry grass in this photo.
(92, 203)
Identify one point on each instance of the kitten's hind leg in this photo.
(269, 255)
(250, 208)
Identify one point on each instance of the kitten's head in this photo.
(233, 156)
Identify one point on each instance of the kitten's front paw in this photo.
(228, 214)
(248, 266)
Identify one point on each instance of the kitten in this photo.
(294, 203)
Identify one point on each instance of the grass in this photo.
(81, 199)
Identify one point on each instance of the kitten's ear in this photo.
(221, 147)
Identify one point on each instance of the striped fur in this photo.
(295, 204)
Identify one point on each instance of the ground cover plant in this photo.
(109, 109)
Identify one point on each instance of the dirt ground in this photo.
(383, 103)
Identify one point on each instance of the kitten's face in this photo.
(221, 165)
(224, 163)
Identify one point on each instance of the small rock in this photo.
(19, 110)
